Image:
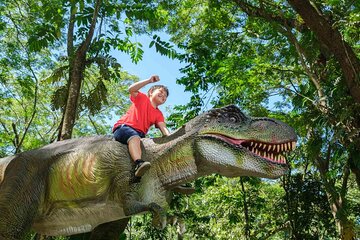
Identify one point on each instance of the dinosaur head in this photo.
(232, 144)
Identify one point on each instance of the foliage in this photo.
(22, 92)
(306, 201)
(228, 203)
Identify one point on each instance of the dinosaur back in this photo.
(81, 181)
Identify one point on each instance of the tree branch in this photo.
(309, 71)
(254, 11)
(16, 138)
(246, 209)
(93, 124)
(86, 43)
(344, 184)
(331, 37)
(70, 34)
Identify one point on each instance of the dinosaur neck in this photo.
(179, 165)
(172, 160)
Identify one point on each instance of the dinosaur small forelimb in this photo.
(134, 207)
(159, 216)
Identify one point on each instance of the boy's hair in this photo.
(154, 87)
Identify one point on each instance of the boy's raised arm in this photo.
(135, 87)
(164, 130)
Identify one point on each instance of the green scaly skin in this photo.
(72, 186)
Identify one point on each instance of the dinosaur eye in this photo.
(233, 119)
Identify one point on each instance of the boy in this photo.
(142, 114)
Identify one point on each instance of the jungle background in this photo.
(295, 60)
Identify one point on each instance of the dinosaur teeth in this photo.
(282, 159)
(272, 152)
(275, 157)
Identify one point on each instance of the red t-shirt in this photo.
(141, 114)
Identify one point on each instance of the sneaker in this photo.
(141, 167)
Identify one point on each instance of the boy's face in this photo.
(158, 96)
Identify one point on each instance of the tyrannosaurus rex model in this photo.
(72, 186)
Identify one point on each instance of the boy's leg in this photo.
(128, 135)
(134, 147)
(135, 153)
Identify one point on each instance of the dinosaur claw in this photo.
(159, 222)
(159, 216)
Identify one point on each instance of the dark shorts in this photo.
(124, 133)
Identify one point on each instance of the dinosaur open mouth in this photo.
(273, 152)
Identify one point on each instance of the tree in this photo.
(77, 58)
(21, 90)
(304, 53)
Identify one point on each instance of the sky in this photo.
(153, 63)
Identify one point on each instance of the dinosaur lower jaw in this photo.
(270, 156)
(273, 152)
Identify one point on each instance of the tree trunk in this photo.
(75, 80)
(246, 210)
(76, 71)
(332, 39)
(347, 230)
(354, 163)
(343, 224)
(337, 201)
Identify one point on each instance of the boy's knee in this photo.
(134, 140)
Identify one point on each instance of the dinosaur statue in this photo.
(72, 186)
